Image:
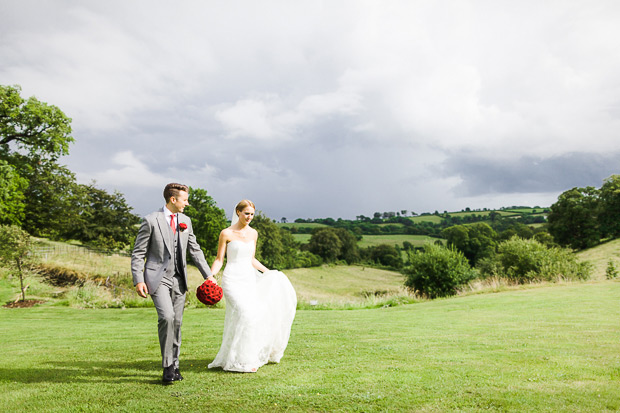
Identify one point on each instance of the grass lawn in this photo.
(543, 349)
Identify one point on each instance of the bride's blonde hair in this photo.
(244, 204)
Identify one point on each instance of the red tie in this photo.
(174, 228)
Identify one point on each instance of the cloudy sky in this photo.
(328, 108)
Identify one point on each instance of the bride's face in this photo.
(246, 216)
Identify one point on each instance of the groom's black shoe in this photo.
(168, 374)
(177, 375)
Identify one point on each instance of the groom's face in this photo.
(178, 203)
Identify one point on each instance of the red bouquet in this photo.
(183, 226)
(209, 293)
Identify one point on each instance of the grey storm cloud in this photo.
(316, 109)
(531, 174)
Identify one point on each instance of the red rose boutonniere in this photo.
(182, 226)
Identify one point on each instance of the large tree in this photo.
(33, 135)
(334, 244)
(207, 220)
(573, 220)
(476, 241)
(12, 187)
(100, 218)
(31, 127)
(609, 215)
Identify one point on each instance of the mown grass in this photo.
(544, 349)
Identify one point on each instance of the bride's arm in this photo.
(255, 263)
(221, 253)
(260, 267)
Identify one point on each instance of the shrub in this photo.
(611, 272)
(437, 271)
(527, 260)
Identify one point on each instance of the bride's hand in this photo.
(213, 280)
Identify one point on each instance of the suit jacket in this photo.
(154, 249)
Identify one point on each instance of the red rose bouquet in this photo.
(209, 293)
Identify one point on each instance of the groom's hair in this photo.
(172, 190)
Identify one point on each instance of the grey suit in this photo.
(159, 260)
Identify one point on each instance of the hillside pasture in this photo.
(600, 256)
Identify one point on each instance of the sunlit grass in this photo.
(547, 349)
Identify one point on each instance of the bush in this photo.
(527, 260)
(437, 271)
(305, 259)
(611, 272)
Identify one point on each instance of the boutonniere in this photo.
(182, 226)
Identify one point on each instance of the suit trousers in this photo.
(170, 303)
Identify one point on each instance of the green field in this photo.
(435, 219)
(600, 256)
(301, 225)
(544, 349)
(374, 240)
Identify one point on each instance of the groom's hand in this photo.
(142, 290)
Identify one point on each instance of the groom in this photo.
(158, 266)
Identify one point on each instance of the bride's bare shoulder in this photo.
(226, 233)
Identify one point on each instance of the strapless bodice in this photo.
(239, 251)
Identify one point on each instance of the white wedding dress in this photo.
(260, 309)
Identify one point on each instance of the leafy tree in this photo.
(40, 130)
(207, 220)
(438, 271)
(333, 244)
(573, 220)
(101, 219)
(325, 243)
(16, 246)
(609, 217)
(476, 241)
(33, 135)
(49, 211)
(12, 187)
(385, 255)
(269, 249)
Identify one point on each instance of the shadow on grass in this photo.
(147, 372)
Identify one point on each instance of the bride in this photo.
(260, 308)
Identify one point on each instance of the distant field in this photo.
(526, 210)
(303, 238)
(481, 213)
(301, 225)
(374, 240)
(427, 218)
